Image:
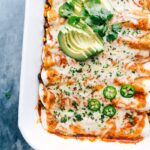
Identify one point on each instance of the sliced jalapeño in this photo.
(127, 91)
(109, 92)
(94, 104)
(109, 111)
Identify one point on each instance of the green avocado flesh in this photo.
(78, 5)
(79, 42)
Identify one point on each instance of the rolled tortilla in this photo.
(126, 126)
(142, 42)
(139, 67)
(133, 19)
(141, 100)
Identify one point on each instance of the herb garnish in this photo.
(96, 16)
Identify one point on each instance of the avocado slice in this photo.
(68, 50)
(78, 6)
(79, 41)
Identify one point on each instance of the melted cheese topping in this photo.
(125, 5)
(67, 84)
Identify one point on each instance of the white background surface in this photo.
(33, 133)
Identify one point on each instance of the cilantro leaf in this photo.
(73, 20)
(99, 15)
(84, 13)
(116, 27)
(89, 21)
(63, 119)
(66, 10)
(78, 117)
(112, 36)
(101, 30)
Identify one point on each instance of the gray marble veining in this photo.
(11, 33)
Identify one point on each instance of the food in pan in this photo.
(95, 73)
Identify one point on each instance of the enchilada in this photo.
(95, 76)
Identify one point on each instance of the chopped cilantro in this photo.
(100, 16)
(70, 110)
(78, 117)
(116, 27)
(63, 119)
(74, 104)
(101, 30)
(112, 36)
(67, 93)
(73, 20)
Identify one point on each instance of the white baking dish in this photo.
(32, 131)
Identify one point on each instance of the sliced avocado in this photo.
(71, 7)
(78, 6)
(78, 42)
(68, 50)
